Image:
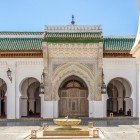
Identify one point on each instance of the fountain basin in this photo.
(67, 123)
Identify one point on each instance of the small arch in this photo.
(30, 103)
(3, 98)
(119, 93)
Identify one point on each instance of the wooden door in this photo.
(73, 103)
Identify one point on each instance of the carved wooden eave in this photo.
(117, 54)
(39, 54)
(21, 54)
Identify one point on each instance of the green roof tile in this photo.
(118, 43)
(24, 41)
(20, 44)
(17, 41)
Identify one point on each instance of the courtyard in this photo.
(119, 128)
(69, 70)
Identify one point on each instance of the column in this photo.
(91, 110)
(23, 107)
(31, 105)
(11, 111)
(104, 99)
(42, 105)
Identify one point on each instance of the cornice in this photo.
(118, 54)
(39, 54)
(21, 54)
(30, 63)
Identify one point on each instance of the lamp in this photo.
(103, 87)
(9, 72)
(42, 77)
(41, 88)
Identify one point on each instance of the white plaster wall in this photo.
(98, 110)
(125, 68)
(21, 69)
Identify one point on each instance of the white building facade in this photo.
(73, 60)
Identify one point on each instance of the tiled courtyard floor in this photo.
(112, 129)
(131, 132)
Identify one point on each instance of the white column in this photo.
(128, 105)
(104, 100)
(42, 105)
(48, 109)
(31, 105)
(18, 96)
(23, 107)
(18, 106)
(11, 102)
(98, 109)
(55, 109)
(120, 103)
(91, 110)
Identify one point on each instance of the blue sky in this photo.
(118, 17)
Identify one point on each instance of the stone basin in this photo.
(67, 123)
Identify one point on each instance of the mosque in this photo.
(69, 70)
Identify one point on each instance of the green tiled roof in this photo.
(118, 43)
(24, 41)
(17, 41)
(20, 33)
(73, 37)
(20, 44)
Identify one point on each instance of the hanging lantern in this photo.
(41, 88)
(103, 87)
(9, 72)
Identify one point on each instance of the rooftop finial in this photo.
(72, 22)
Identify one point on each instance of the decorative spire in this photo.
(72, 22)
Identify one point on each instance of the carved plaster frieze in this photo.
(30, 63)
(70, 50)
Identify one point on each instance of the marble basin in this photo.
(67, 123)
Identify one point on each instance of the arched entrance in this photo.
(119, 93)
(73, 93)
(3, 101)
(30, 104)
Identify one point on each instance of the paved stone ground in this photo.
(112, 128)
(16, 133)
(127, 132)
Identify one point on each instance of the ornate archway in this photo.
(120, 102)
(73, 94)
(78, 70)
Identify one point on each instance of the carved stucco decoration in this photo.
(75, 53)
(71, 50)
(79, 70)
